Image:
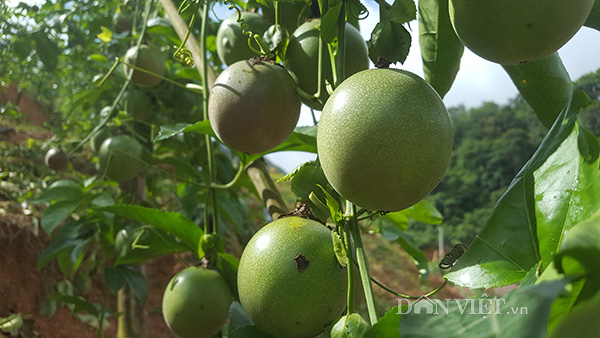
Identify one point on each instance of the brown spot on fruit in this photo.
(301, 262)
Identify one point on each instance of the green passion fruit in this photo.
(149, 58)
(302, 57)
(196, 303)
(119, 157)
(384, 139)
(512, 32)
(232, 44)
(253, 106)
(289, 280)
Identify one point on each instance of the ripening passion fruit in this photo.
(253, 106)
(512, 32)
(384, 139)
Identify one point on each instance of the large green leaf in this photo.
(523, 313)
(593, 21)
(507, 247)
(61, 190)
(47, 50)
(57, 213)
(544, 84)
(582, 321)
(441, 50)
(387, 326)
(582, 243)
(567, 190)
(172, 222)
(389, 41)
(135, 245)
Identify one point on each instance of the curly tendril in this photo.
(184, 56)
(451, 257)
(363, 12)
(264, 49)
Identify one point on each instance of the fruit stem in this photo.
(362, 261)
(350, 267)
(205, 93)
(154, 74)
(340, 57)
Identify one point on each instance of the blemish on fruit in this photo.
(301, 262)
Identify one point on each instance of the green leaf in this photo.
(22, 47)
(182, 167)
(248, 332)
(561, 306)
(135, 245)
(582, 321)
(545, 85)
(113, 278)
(98, 58)
(57, 213)
(567, 190)
(171, 222)
(402, 11)
(66, 237)
(582, 243)
(61, 190)
(228, 268)
(80, 304)
(230, 208)
(340, 249)
(593, 21)
(134, 278)
(418, 256)
(237, 318)
(305, 179)
(334, 207)
(399, 219)
(390, 41)
(329, 23)
(105, 35)
(486, 317)
(387, 326)
(507, 247)
(349, 326)
(441, 50)
(425, 212)
(47, 50)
